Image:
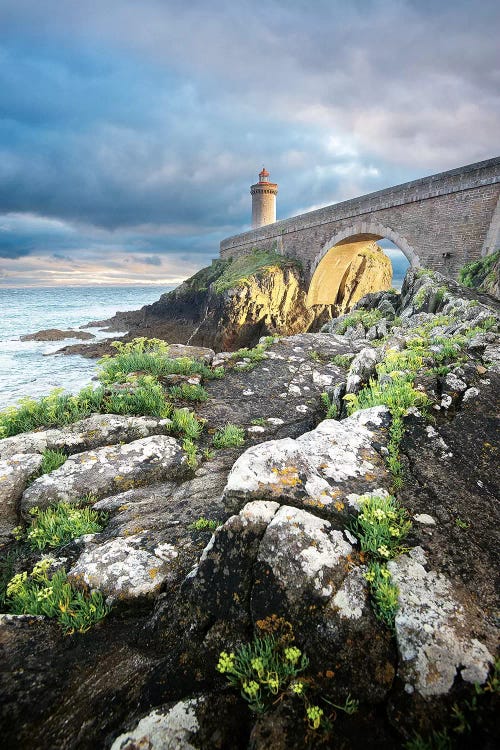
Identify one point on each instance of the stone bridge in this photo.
(438, 222)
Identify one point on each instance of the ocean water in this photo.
(24, 370)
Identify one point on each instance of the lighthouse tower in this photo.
(263, 200)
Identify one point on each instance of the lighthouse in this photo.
(263, 200)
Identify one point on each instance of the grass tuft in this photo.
(40, 593)
(52, 460)
(256, 263)
(230, 436)
(204, 524)
(59, 524)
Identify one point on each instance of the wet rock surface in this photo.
(145, 677)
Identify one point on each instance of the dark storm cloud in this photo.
(139, 126)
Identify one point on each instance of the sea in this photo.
(25, 370)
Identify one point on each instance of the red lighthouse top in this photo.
(264, 175)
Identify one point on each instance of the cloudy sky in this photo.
(131, 130)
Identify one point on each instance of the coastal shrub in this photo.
(331, 408)
(52, 460)
(342, 360)
(263, 670)
(53, 410)
(186, 423)
(144, 397)
(474, 274)
(384, 593)
(58, 409)
(367, 318)
(204, 524)
(270, 667)
(189, 447)
(202, 280)
(188, 392)
(59, 524)
(257, 354)
(230, 436)
(436, 740)
(381, 527)
(40, 593)
(255, 263)
(398, 394)
(150, 356)
(8, 561)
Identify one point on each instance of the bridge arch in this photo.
(366, 230)
(351, 264)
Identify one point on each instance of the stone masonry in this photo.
(439, 222)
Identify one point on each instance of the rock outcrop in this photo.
(55, 334)
(284, 554)
(231, 304)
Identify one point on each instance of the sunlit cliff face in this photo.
(347, 272)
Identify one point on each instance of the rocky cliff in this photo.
(344, 593)
(233, 303)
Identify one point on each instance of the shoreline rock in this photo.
(55, 334)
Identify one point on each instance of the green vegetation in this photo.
(184, 422)
(150, 357)
(52, 460)
(342, 360)
(257, 354)
(270, 667)
(467, 717)
(426, 272)
(381, 528)
(398, 394)
(7, 567)
(40, 593)
(438, 295)
(59, 409)
(437, 740)
(59, 524)
(331, 409)
(188, 392)
(367, 318)
(201, 280)
(204, 524)
(230, 436)
(129, 385)
(257, 263)
(383, 592)
(264, 669)
(396, 374)
(189, 447)
(474, 274)
(259, 422)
